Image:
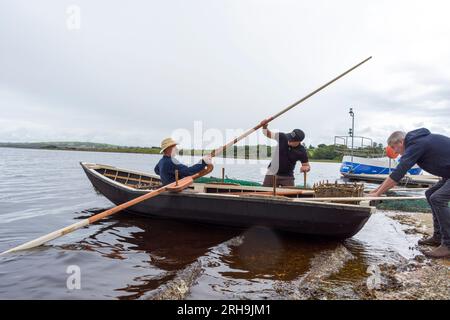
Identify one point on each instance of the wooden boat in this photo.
(231, 205)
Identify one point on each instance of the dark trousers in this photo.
(282, 181)
(438, 196)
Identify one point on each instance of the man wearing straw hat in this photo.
(432, 153)
(167, 166)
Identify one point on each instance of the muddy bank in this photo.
(418, 278)
(415, 222)
(178, 288)
(397, 278)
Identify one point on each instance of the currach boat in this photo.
(231, 205)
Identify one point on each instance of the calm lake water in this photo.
(129, 257)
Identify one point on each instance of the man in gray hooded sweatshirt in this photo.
(432, 153)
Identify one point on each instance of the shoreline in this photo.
(147, 152)
(419, 278)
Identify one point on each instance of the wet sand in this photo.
(418, 278)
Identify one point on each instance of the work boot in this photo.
(430, 241)
(440, 252)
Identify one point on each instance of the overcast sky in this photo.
(135, 71)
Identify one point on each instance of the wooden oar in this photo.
(182, 184)
(399, 189)
(59, 233)
(278, 193)
(173, 187)
(340, 199)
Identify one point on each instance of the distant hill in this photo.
(320, 153)
(248, 152)
(57, 144)
(79, 146)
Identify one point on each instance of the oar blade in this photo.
(48, 237)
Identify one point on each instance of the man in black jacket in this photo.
(432, 153)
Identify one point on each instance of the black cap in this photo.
(296, 135)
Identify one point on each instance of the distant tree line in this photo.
(321, 152)
(333, 152)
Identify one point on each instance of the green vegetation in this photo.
(335, 153)
(321, 153)
(405, 205)
(324, 152)
(376, 150)
(228, 180)
(81, 146)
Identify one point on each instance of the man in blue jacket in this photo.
(432, 153)
(167, 166)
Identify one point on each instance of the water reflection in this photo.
(273, 255)
(157, 250)
(168, 245)
(172, 246)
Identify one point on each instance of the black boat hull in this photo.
(312, 219)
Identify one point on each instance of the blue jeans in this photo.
(438, 196)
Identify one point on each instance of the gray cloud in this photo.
(134, 73)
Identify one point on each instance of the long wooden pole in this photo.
(175, 186)
(401, 189)
(71, 228)
(341, 199)
(304, 180)
(250, 131)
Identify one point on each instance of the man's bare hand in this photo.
(207, 159)
(385, 186)
(373, 193)
(265, 123)
(305, 168)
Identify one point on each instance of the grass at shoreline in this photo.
(108, 150)
(133, 150)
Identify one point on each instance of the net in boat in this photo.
(209, 180)
(344, 190)
(237, 182)
(405, 205)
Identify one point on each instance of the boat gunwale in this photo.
(247, 198)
